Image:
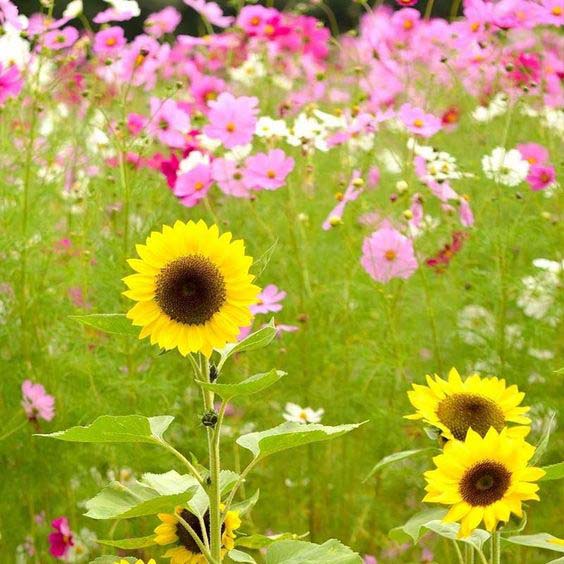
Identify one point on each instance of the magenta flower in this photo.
(11, 82)
(211, 12)
(418, 122)
(62, 539)
(269, 300)
(232, 120)
(168, 123)
(534, 153)
(37, 403)
(230, 178)
(268, 171)
(162, 22)
(193, 186)
(388, 254)
(258, 20)
(109, 41)
(541, 177)
(60, 38)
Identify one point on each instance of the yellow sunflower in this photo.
(186, 551)
(152, 561)
(192, 287)
(483, 478)
(454, 405)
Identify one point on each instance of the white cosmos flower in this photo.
(193, 159)
(14, 49)
(299, 414)
(497, 107)
(550, 265)
(476, 324)
(505, 167)
(249, 71)
(73, 9)
(268, 127)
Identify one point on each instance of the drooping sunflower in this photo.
(192, 287)
(454, 405)
(186, 551)
(483, 478)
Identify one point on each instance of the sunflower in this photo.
(186, 551)
(192, 287)
(483, 478)
(454, 406)
(152, 561)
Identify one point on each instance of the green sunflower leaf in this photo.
(396, 457)
(450, 531)
(540, 540)
(240, 556)
(247, 504)
(257, 340)
(290, 435)
(262, 541)
(110, 559)
(542, 445)
(249, 386)
(411, 530)
(553, 472)
(113, 323)
(117, 429)
(199, 503)
(301, 552)
(130, 544)
(149, 496)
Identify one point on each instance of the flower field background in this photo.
(398, 188)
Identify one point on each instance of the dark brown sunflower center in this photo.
(190, 290)
(460, 412)
(184, 536)
(484, 483)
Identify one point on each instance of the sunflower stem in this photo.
(458, 552)
(197, 540)
(495, 556)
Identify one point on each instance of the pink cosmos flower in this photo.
(232, 120)
(230, 177)
(269, 300)
(534, 153)
(351, 193)
(136, 123)
(553, 12)
(405, 20)
(62, 539)
(406, 3)
(388, 254)
(373, 177)
(258, 20)
(76, 296)
(211, 12)
(60, 38)
(165, 21)
(205, 89)
(193, 186)
(465, 213)
(418, 122)
(109, 41)
(268, 171)
(168, 123)
(541, 176)
(11, 82)
(37, 403)
(9, 14)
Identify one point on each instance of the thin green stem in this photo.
(495, 555)
(197, 540)
(429, 9)
(238, 484)
(483, 558)
(12, 431)
(458, 553)
(184, 461)
(432, 320)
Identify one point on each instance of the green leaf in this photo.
(257, 340)
(249, 386)
(412, 529)
(396, 457)
(107, 559)
(239, 556)
(247, 504)
(130, 544)
(117, 429)
(545, 437)
(262, 541)
(117, 501)
(540, 540)
(301, 552)
(290, 435)
(557, 561)
(200, 501)
(450, 531)
(553, 472)
(114, 323)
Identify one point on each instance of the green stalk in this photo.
(458, 552)
(495, 554)
(197, 540)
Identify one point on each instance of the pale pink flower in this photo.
(418, 122)
(11, 82)
(465, 213)
(37, 403)
(352, 192)
(168, 123)
(9, 14)
(60, 38)
(232, 120)
(230, 177)
(268, 171)
(109, 41)
(534, 153)
(388, 254)
(165, 21)
(211, 12)
(269, 300)
(118, 12)
(193, 186)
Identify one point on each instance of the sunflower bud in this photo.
(209, 419)
(213, 373)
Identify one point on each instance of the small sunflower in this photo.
(483, 478)
(192, 287)
(186, 551)
(152, 561)
(454, 406)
